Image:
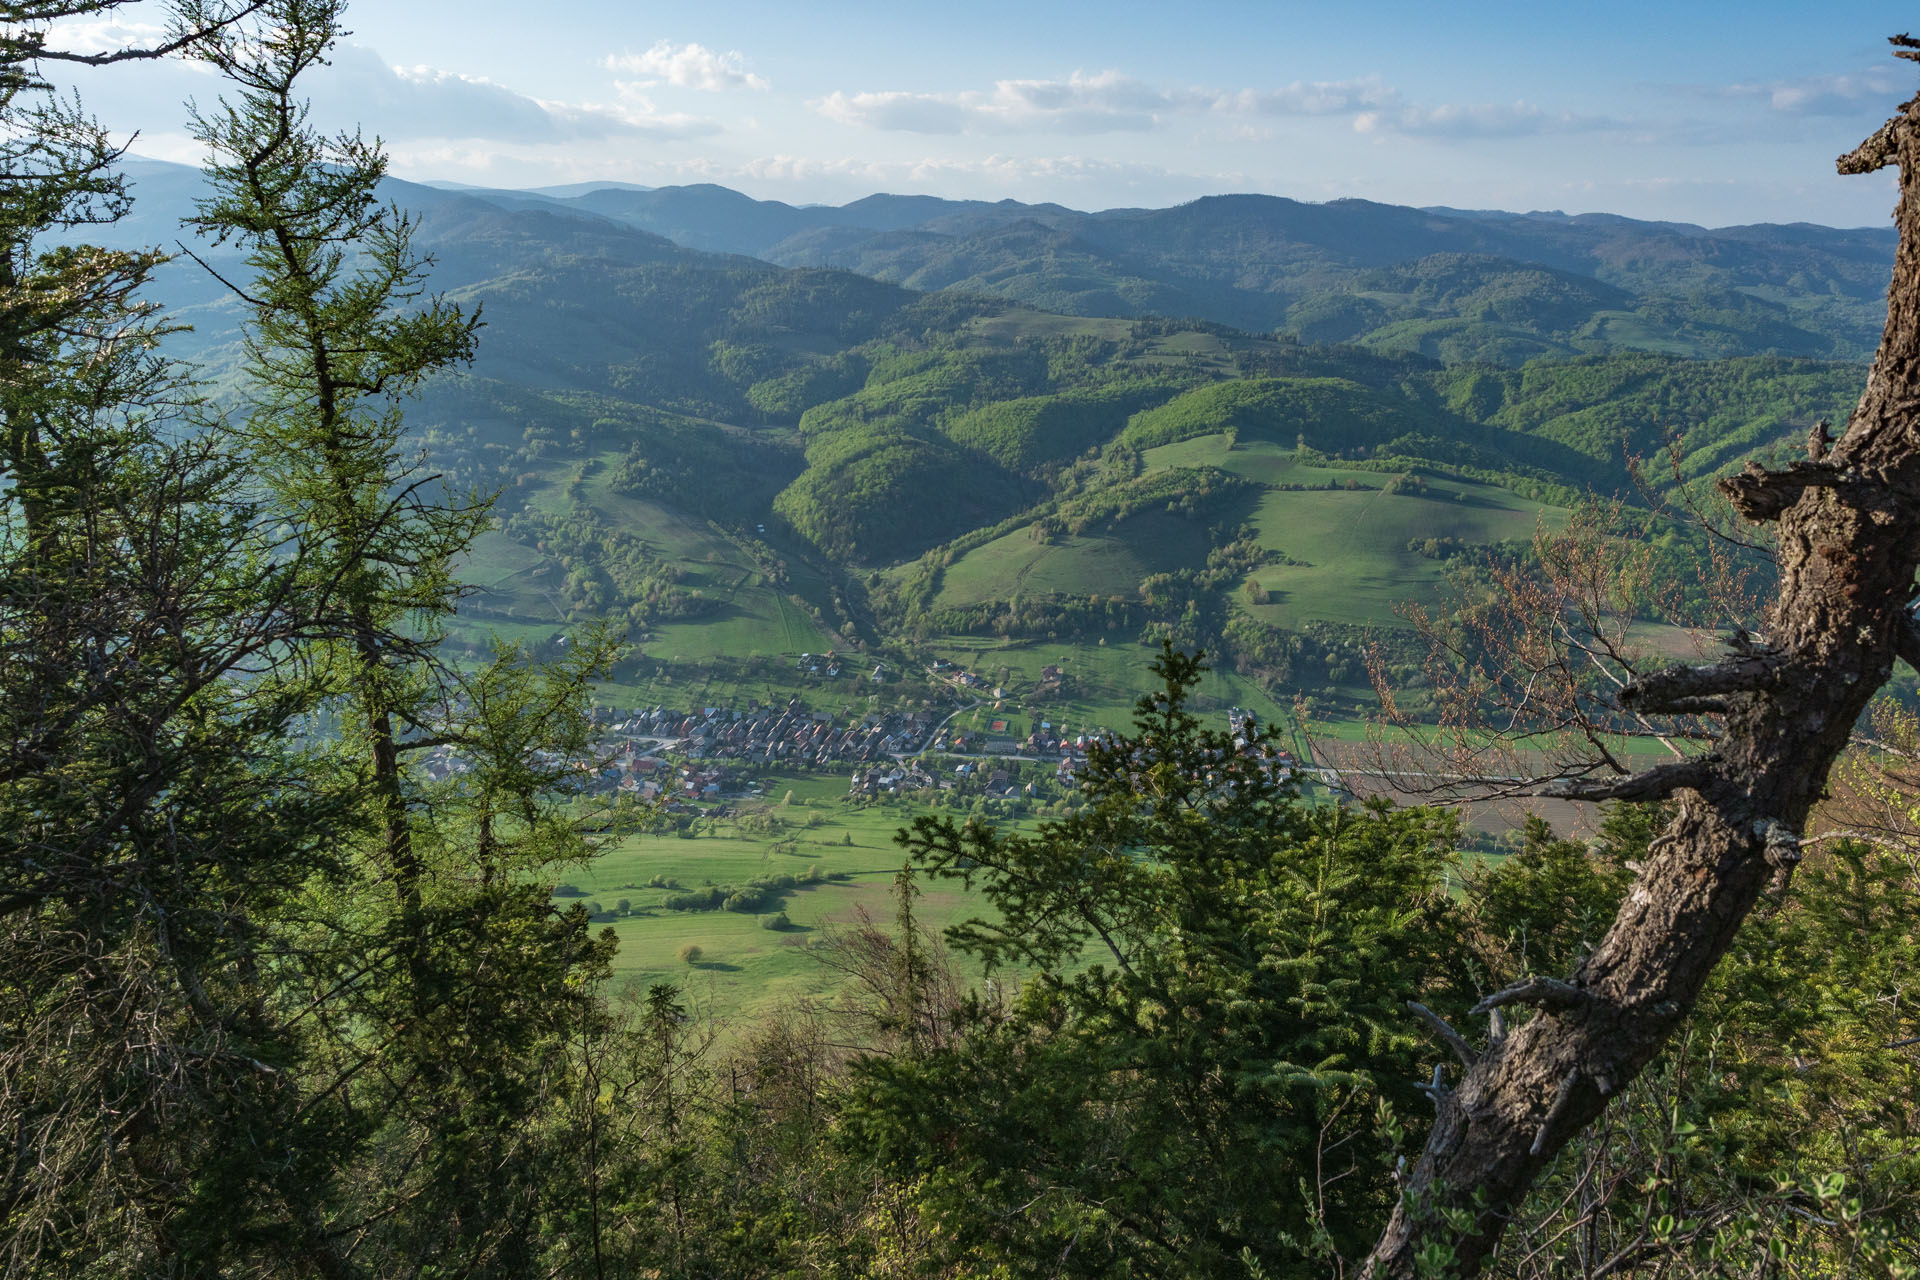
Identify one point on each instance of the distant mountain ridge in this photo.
(1250, 260)
(1516, 285)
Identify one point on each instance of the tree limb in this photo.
(1675, 688)
(1455, 1041)
(1877, 152)
(1436, 1090)
(1548, 993)
(1554, 1112)
(1652, 784)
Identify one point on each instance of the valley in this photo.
(994, 448)
(738, 463)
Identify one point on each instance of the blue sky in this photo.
(1702, 112)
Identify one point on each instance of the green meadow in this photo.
(516, 583)
(1350, 546)
(800, 824)
(1111, 563)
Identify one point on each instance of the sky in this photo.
(1686, 110)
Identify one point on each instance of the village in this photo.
(711, 753)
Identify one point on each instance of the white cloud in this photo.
(905, 112)
(1000, 172)
(1304, 98)
(1477, 120)
(687, 66)
(1106, 102)
(1831, 95)
(1110, 102)
(424, 102)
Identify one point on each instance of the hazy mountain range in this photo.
(1448, 283)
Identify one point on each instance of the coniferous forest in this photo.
(283, 993)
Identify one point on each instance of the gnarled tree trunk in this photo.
(1849, 542)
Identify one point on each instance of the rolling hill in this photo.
(740, 459)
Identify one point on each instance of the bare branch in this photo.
(1455, 1041)
(1677, 688)
(1548, 993)
(1554, 1112)
(1436, 1091)
(1877, 152)
(1652, 784)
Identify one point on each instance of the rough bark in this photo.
(1848, 549)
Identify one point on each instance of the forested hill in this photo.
(1451, 284)
(705, 443)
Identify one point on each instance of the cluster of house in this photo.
(789, 735)
(675, 756)
(1245, 728)
(794, 735)
(961, 678)
(898, 779)
(891, 779)
(651, 778)
(828, 664)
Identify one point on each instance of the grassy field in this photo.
(746, 969)
(1352, 543)
(1357, 566)
(754, 617)
(1109, 563)
(495, 560)
(1260, 460)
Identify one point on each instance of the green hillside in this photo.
(739, 461)
(960, 468)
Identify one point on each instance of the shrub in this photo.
(777, 921)
(694, 900)
(690, 953)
